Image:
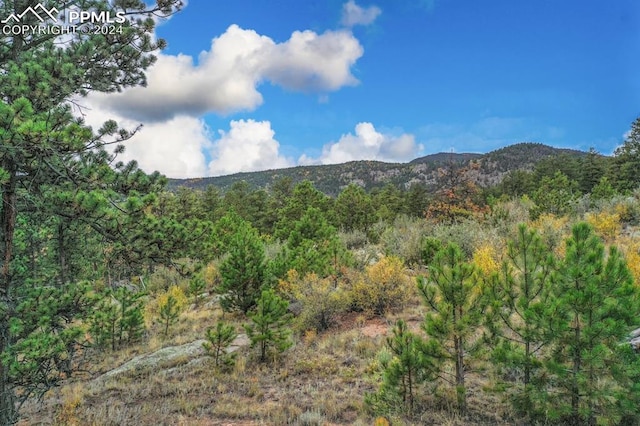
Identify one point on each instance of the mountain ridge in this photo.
(371, 174)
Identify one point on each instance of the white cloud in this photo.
(352, 14)
(184, 147)
(312, 62)
(225, 78)
(174, 147)
(367, 144)
(248, 146)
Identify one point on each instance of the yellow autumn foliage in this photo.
(631, 249)
(211, 274)
(633, 260)
(554, 231)
(606, 224)
(289, 286)
(155, 305)
(381, 421)
(625, 211)
(486, 259)
(321, 299)
(383, 287)
(178, 295)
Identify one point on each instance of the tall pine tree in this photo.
(243, 271)
(626, 161)
(519, 293)
(456, 305)
(595, 306)
(50, 162)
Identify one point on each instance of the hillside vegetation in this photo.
(331, 179)
(453, 304)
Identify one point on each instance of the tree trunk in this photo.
(577, 367)
(8, 413)
(61, 253)
(461, 392)
(460, 387)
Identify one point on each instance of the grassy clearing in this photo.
(320, 381)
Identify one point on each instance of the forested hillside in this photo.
(331, 179)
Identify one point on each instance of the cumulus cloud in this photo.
(248, 146)
(225, 79)
(185, 147)
(352, 14)
(311, 62)
(367, 144)
(174, 147)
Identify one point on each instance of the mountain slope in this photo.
(330, 179)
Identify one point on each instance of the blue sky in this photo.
(252, 85)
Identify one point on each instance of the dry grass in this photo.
(320, 381)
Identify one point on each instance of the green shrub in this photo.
(321, 302)
(404, 239)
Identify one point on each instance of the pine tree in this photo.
(354, 209)
(595, 306)
(250, 205)
(224, 230)
(103, 324)
(279, 193)
(197, 285)
(406, 370)
(49, 320)
(626, 161)
(592, 169)
(269, 327)
(603, 190)
(555, 195)
(51, 163)
(117, 317)
(304, 197)
(243, 271)
(218, 340)
(456, 305)
(388, 203)
(458, 196)
(519, 293)
(312, 246)
(517, 183)
(417, 199)
(169, 313)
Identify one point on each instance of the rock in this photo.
(295, 308)
(158, 358)
(239, 342)
(211, 304)
(167, 357)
